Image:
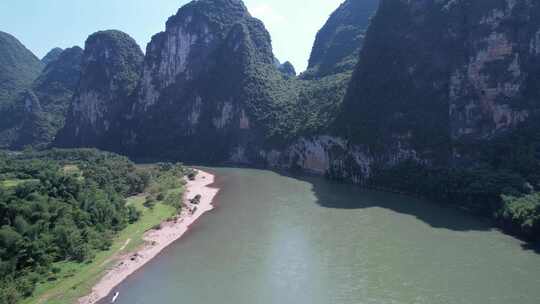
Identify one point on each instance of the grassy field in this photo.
(68, 170)
(76, 280)
(12, 183)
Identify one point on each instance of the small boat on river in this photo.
(115, 297)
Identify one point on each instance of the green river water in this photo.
(275, 239)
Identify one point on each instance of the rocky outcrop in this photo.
(335, 158)
(211, 90)
(193, 38)
(338, 43)
(207, 85)
(494, 86)
(34, 127)
(110, 70)
(432, 74)
(435, 73)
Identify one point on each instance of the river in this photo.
(276, 239)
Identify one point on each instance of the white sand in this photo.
(157, 240)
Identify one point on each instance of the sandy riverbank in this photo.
(157, 240)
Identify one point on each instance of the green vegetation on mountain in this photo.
(53, 91)
(115, 51)
(37, 108)
(63, 207)
(385, 102)
(230, 93)
(18, 68)
(338, 43)
(110, 72)
(432, 72)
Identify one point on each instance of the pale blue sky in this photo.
(44, 24)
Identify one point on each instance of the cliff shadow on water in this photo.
(531, 247)
(337, 195)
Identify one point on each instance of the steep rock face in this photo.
(339, 42)
(35, 126)
(321, 90)
(335, 157)
(188, 47)
(495, 85)
(47, 104)
(110, 70)
(208, 85)
(51, 56)
(433, 73)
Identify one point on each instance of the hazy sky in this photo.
(44, 24)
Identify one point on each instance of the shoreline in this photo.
(157, 240)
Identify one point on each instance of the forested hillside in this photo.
(48, 101)
(18, 69)
(66, 205)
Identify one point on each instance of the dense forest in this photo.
(66, 205)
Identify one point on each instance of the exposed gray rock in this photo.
(110, 71)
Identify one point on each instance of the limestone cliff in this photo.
(432, 76)
(212, 90)
(435, 73)
(110, 70)
(494, 86)
(209, 85)
(321, 90)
